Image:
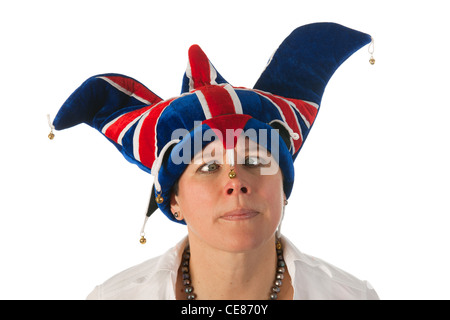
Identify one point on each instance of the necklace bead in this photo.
(279, 276)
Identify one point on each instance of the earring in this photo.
(176, 215)
(285, 202)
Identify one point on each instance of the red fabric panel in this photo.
(200, 70)
(113, 132)
(147, 136)
(219, 100)
(233, 122)
(136, 88)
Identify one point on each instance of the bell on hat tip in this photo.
(232, 174)
(371, 49)
(143, 240)
(51, 135)
(159, 199)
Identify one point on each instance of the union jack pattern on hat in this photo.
(286, 97)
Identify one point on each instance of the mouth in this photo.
(239, 214)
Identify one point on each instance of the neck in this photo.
(218, 274)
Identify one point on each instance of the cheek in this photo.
(196, 201)
(273, 193)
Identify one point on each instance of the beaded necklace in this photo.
(275, 290)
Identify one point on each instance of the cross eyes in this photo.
(249, 162)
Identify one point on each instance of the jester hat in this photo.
(285, 99)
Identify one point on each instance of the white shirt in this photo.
(312, 278)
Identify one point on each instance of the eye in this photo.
(209, 167)
(256, 161)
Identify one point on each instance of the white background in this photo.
(372, 181)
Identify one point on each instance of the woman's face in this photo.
(236, 214)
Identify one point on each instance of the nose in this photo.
(230, 190)
(237, 185)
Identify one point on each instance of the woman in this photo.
(222, 159)
(231, 224)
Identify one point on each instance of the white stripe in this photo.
(189, 75)
(276, 106)
(284, 122)
(122, 89)
(124, 130)
(136, 135)
(268, 62)
(122, 133)
(158, 162)
(293, 106)
(212, 73)
(50, 123)
(292, 133)
(204, 104)
(315, 105)
(109, 124)
(235, 98)
(230, 157)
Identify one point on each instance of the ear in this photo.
(174, 206)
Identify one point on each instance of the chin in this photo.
(243, 240)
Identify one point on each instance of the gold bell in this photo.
(143, 240)
(232, 174)
(51, 135)
(372, 61)
(159, 199)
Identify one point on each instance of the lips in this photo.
(239, 214)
